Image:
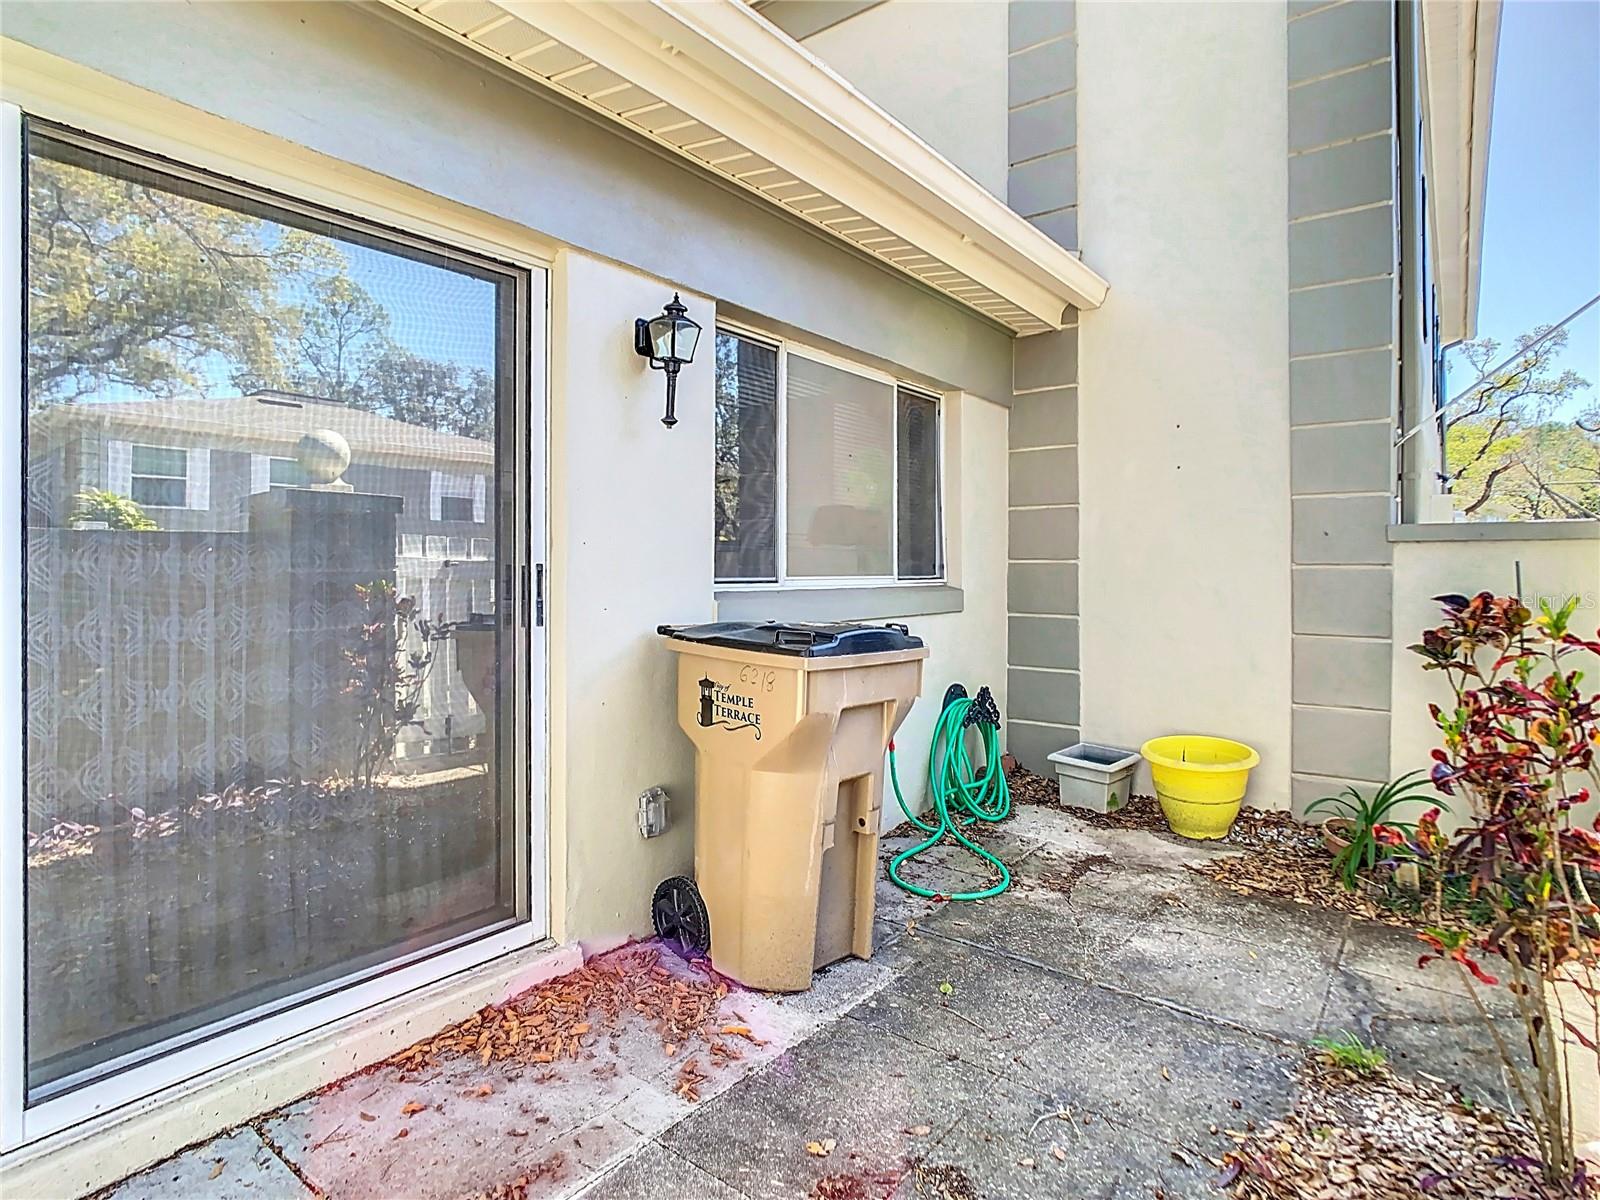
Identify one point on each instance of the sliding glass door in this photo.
(276, 488)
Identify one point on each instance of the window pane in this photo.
(158, 460)
(264, 752)
(158, 492)
(455, 508)
(840, 473)
(287, 472)
(918, 501)
(747, 455)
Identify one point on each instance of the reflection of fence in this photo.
(446, 589)
(166, 665)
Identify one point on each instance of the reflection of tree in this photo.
(137, 287)
(390, 663)
(1508, 455)
(133, 286)
(745, 450)
(94, 506)
(727, 440)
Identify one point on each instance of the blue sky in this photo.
(1541, 245)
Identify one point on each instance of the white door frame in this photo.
(243, 1035)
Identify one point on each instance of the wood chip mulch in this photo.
(1377, 1136)
(566, 1017)
(1279, 856)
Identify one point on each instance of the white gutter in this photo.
(723, 65)
(1460, 46)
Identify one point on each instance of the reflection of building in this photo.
(193, 464)
(217, 476)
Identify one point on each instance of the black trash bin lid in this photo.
(804, 641)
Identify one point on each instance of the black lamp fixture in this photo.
(668, 341)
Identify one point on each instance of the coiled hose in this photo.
(961, 796)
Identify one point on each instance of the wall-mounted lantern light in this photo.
(668, 341)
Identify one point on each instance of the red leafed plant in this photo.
(1521, 745)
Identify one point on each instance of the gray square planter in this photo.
(1094, 777)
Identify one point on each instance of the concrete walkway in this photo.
(1111, 984)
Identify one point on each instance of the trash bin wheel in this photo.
(679, 915)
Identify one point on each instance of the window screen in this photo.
(747, 457)
(917, 502)
(840, 476)
(220, 694)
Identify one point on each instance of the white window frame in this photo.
(261, 473)
(196, 474)
(780, 530)
(160, 128)
(442, 485)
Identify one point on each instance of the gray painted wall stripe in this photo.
(1333, 39)
(1031, 741)
(1342, 380)
(1042, 485)
(1033, 21)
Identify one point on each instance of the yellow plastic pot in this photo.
(1199, 781)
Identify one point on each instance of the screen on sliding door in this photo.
(270, 495)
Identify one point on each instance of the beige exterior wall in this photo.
(940, 68)
(629, 502)
(630, 549)
(1184, 412)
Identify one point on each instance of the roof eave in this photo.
(736, 73)
(1460, 48)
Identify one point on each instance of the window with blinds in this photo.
(857, 497)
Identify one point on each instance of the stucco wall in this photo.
(631, 540)
(629, 502)
(631, 525)
(411, 108)
(1184, 423)
(940, 68)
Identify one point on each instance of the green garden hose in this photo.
(961, 796)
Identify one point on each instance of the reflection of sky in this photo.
(435, 312)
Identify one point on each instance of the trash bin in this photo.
(790, 725)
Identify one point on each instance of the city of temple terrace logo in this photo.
(721, 708)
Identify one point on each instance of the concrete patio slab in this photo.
(1270, 986)
(237, 1166)
(992, 1013)
(657, 1171)
(864, 1090)
(1150, 1003)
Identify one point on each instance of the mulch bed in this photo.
(1279, 856)
(1376, 1136)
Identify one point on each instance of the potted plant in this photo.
(1362, 834)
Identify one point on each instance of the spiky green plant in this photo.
(1345, 1049)
(1372, 833)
